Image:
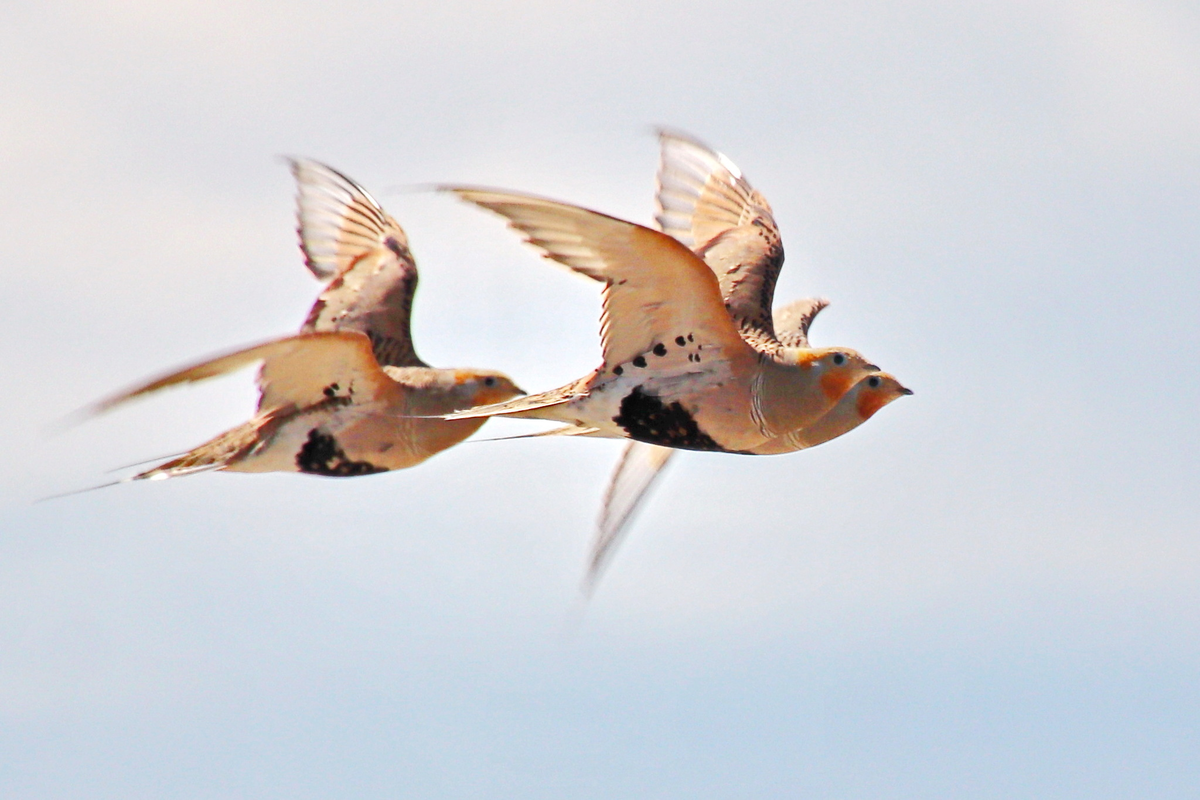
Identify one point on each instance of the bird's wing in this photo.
(705, 202)
(349, 240)
(299, 371)
(655, 288)
(793, 320)
(639, 467)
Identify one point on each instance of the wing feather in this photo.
(705, 202)
(349, 240)
(655, 288)
(793, 320)
(300, 371)
(636, 472)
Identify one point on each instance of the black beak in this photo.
(905, 391)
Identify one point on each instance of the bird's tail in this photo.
(565, 430)
(216, 453)
(171, 469)
(546, 405)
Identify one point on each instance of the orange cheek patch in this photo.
(869, 403)
(834, 385)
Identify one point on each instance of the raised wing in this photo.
(349, 240)
(655, 288)
(706, 203)
(639, 467)
(299, 371)
(793, 320)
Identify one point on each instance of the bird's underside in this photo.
(652, 398)
(341, 443)
(326, 408)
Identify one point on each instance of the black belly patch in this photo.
(321, 455)
(647, 419)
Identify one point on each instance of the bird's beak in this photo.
(905, 390)
(873, 368)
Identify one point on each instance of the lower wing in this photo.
(639, 467)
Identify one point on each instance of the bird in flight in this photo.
(348, 395)
(675, 369)
(706, 203)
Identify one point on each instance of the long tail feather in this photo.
(161, 472)
(565, 430)
(521, 405)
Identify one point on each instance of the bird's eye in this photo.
(873, 382)
(839, 358)
(489, 381)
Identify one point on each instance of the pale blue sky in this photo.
(992, 590)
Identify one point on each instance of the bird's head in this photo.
(478, 387)
(876, 391)
(837, 368)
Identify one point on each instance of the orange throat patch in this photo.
(871, 401)
(834, 385)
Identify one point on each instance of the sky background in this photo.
(992, 590)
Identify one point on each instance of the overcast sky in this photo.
(990, 590)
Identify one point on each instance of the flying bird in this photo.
(706, 203)
(675, 370)
(348, 395)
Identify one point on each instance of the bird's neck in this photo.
(790, 397)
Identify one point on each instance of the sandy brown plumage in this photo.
(349, 241)
(348, 395)
(641, 464)
(706, 202)
(675, 370)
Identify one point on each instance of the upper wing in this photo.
(300, 371)
(655, 288)
(704, 202)
(636, 472)
(348, 239)
(793, 320)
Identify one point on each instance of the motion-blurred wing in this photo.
(639, 467)
(655, 288)
(706, 203)
(299, 371)
(349, 240)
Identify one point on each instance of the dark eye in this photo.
(873, 382)
(489, 381)
(839, 358)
